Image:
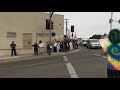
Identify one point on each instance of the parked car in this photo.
(84, 41)
(93, 43)
(79, 41)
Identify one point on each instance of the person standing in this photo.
(35, 49)
(49, 48)
(112, 51)
(58, 47)
(71, 45)
(41, 46)
(13, 48)
(61, 46)
(55, 46)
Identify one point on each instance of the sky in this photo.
(88, 23)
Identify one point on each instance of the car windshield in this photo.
(94, 40)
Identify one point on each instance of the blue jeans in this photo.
(49, 51)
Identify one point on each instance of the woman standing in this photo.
(41, 46)
(58, 47)
(112, 51)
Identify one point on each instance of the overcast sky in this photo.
(89, 23)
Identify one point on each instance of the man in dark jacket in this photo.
(13, 48)
(35, 49)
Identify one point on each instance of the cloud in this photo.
(90, 22)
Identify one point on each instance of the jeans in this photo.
(35, 52)
(41, 50)
(49, 51)
(13, 50)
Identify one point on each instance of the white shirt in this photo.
(41, 45)
(55, 44)
(58, 45)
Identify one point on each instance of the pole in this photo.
(111, 21)
(50, 35)
(50, 28)
(69, 33)
(66, 26)
(36, 37)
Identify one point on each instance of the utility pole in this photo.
(68, 33)
(111, 21)
(66, 25)
(50, 35)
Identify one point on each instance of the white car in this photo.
(84, 41)
(93, 43)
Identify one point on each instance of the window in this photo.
(27, 40)
(42, 34)
(11, 34)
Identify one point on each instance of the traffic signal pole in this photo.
(50, 35)
(50, 28)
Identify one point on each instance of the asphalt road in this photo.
(86, 63)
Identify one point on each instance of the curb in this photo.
(12, 59)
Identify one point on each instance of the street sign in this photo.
(72, 34)
(72, 28)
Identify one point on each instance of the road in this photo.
(86, 63)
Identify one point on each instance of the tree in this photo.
(96, 36)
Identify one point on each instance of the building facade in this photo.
(24, 27)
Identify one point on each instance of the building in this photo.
(24, 27)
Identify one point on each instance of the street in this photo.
(85, 63)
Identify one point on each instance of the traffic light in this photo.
(47, 24)
(72, 35)
(52, 25)
(72, 28)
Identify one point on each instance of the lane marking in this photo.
(104, 56)
(100, 55)
(63, 54)
(96, 54)
(71, 71)
(31, 65)
(65, 58)
(70, 68)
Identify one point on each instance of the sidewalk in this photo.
(5, 59)
(23, 56)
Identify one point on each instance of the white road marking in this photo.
(104, 56)
(42, 63)
(71, 71)
(96, 54)
(100, 55)
(32, 65)
(63, 54)
(65, 58)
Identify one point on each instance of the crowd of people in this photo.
(61, 46)
(56, 46)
